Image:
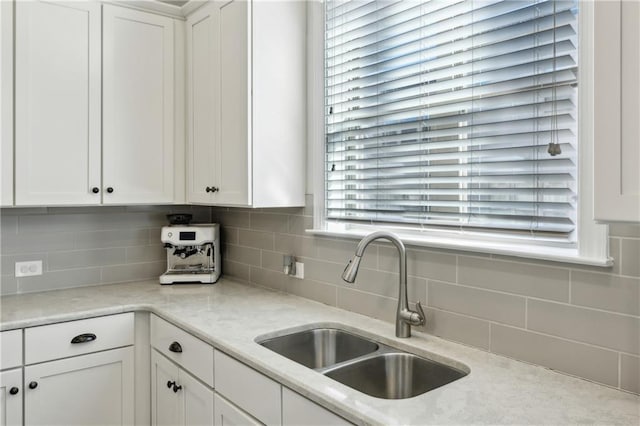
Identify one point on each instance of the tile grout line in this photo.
(619, 370)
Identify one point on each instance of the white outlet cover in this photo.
(299, 270)
(29, 268)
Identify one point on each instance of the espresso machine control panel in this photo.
(193, 253)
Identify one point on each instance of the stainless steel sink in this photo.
(320, 347)
(367, 366)
(395, 375)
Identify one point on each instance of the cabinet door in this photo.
(198, 401)
(617, 111)
(166, 405)
(228, 414)
(138, 107)
(95, 389)
(233, 157)
(202, 103)
(299, 411)
(11, 397)
(188, 403)
(57, 103)
(6, 103)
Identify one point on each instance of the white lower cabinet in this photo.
(94, 389)
(177, 397)
(299, 411)
(11, 397)
(80, 372)
(228, 414)
(248, 389)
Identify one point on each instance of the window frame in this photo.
(592, 242)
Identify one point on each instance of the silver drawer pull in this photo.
(84, 338)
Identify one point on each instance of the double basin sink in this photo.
(363, 364)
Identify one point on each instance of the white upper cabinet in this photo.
(138, 107)
(57, 104)
(202, 58)
(246, 104)
(6, 103)
(617, 111)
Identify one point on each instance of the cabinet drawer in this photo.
(298, 410)
(10, 349)
(256, 394)
(229, 414)
(49, 342)
(191, 353)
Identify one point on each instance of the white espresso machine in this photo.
(193, 253)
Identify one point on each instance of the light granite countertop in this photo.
(230, 316)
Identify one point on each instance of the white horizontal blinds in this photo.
(440, 112)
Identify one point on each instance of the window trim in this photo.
(592, 246)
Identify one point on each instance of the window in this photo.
(440, 113)
(453, 116)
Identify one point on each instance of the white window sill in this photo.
(465, 241)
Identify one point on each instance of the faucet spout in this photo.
(405, 317)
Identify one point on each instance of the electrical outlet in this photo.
(28, 269)
(299, 270)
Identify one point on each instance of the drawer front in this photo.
(189, 352)
(298, 410)
(228, 414)
(10, 349)
(49, 342)
(251, 391)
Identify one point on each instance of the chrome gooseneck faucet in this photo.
(405, 317)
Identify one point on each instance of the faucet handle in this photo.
(423, 317)
(413, 317)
